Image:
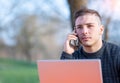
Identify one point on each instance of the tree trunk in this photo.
(74, 6)
(106, 28)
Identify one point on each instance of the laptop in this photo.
(70, 71)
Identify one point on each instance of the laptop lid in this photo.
(70, 71)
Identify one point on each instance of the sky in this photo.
(107, 8)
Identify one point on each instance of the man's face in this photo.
(89, 29)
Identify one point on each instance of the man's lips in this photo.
(85, 38)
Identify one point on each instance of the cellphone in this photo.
(74, 42)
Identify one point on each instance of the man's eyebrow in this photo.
(85, 24)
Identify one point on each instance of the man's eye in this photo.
(79, 27)
(89, 25)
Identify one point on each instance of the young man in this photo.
(89, 30)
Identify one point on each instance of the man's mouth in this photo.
(86, 38)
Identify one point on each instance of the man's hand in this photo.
(68, 48)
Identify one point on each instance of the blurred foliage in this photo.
(30, 30)
(36, 29)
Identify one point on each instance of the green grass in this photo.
(13, 71)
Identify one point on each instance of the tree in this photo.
(25, 36)
(106, 32)
(74, 6)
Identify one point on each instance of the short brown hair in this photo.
(85, 11)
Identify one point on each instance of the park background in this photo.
(32, 30)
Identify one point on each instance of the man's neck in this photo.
(94, 48)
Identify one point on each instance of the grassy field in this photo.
(13, 71)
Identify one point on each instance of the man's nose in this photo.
(85, 30)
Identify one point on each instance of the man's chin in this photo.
(86, 44)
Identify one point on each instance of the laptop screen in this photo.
(70, 71)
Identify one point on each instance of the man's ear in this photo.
(101, 29)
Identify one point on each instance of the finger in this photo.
(72, 37)
(74, 32)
